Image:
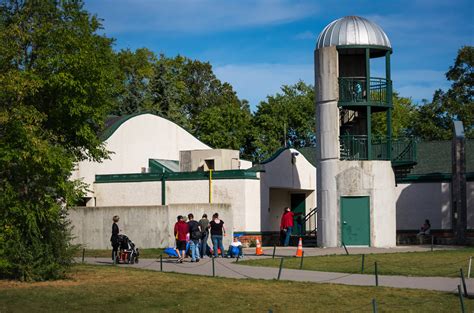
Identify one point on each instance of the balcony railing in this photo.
(353, 91)
(400, 151)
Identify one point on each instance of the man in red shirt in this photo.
(181, 229)
(286, 224)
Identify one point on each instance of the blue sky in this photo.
(258, 46)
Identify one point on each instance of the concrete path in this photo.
(227, 268)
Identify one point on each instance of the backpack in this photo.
(194, 231)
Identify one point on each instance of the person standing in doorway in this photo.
(181, 229)
(217, 234)
(204, 224)
(114, 239)
(286, 224)
(194, 237)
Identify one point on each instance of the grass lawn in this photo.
(119, 289)
(444, 263)
(107, 253)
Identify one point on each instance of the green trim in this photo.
(116, 124)
(274, 155)
(375, 47)
(144, 177)
(431, 178)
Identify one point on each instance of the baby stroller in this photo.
(128, 252)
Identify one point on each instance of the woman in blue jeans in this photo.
(217, 233)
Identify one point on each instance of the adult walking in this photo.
(286, 225)
(114, 239)
(217, 234)
(194, 237)
(204, 224)
(181, 229)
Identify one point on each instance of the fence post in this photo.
(362, 266)
(213, 267)
(463, 282)
(161, 262)
(432, 241)
(274, 249)
(460, 299)
(281, 266)
(469, 268)
(83, 253)
(301, 263)
(376, 275)
(345, 248)
(374, 305)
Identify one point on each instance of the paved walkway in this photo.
(226, 268)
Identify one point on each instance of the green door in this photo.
(355, 221)
(298, 206)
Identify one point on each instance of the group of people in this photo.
(196, 234)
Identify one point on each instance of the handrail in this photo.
(311, 213)
(354, 147)
(354, 90)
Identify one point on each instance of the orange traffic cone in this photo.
(259, 250)
(299, 251)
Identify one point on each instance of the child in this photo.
(235, 249)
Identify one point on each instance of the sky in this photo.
(258, 46)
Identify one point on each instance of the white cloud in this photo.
(255, 81)
(197, 16)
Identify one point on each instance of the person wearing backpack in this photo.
(194, 237)
(204, 224)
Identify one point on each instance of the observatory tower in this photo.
(355, 171)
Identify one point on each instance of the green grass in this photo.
(107, 253)
(445, 263)
(119, 289)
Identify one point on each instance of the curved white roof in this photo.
(352, 30)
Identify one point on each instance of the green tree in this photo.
(58, 78)
(434, 120)
(285, 118)
(136, 71)
(188, 93)
(403, 114)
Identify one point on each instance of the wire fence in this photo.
(451, 269)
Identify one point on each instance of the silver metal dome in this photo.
(352, 30)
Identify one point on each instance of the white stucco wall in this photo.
(138, 139)
(281, 178)
(238, 193)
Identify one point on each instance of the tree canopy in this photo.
(434, 120)
(58, 78)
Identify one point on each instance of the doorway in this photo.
(298, 207)
(355, 221)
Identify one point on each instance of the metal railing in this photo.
(397, 150)
(354, 90)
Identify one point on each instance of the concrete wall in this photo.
(238, 193)
(326, 69)
(376, 180)
(194, 160)
(146, 226)
(419, 201)
(138, 139)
